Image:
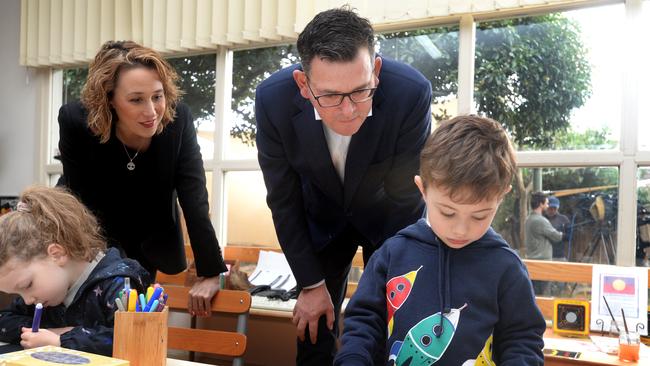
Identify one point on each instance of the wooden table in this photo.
(170, 361)
(174, 362)
(587, 357)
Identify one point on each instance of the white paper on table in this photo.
(608, 345)
(272, 269)
(625, 288)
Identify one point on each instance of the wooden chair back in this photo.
(218, 342)
(538, 270)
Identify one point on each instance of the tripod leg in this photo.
(604, 247)
(612, 248)
(593, 246)
(589, 249)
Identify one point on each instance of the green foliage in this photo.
(643, 193)
(73, 83)
(197, 78)
(530, 74)
(250, 68)
(590, 140)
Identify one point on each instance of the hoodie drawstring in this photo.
(444, 290)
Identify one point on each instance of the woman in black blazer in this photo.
(129, 152)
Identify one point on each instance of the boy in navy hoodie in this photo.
(447, 290)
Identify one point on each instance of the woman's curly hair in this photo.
(113, 58)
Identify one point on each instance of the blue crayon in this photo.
(143, 302)
(38, 312)
(154, 297)
(153, 307)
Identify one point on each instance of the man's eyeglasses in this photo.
(335, 99)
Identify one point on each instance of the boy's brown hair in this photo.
(471, 157)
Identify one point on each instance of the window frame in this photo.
(627, 158)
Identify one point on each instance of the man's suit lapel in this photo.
(312, 138)
(362, 149)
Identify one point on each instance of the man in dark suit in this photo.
(338, 142)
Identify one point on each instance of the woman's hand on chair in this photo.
(201, 294)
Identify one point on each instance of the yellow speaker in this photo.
(571, 317)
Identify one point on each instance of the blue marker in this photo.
(154, 297)
(38, 312)
(153, 307)
(143, 302)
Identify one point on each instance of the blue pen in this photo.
(154, 297)
(38, 312)
(143, 302)
(153, 307)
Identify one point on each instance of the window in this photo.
(588, 199)
(249, 218)
(73, 81)
(434, 52)
(250, 68)
(197, 80)
(553, 80)
(642, 253)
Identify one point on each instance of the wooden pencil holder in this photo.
(141, 337)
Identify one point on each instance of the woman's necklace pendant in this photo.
(130, 165)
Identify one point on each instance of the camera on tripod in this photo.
(602, 213)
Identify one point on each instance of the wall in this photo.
(19, 91)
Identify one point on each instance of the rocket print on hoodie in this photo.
(426, 342)
(398, 290)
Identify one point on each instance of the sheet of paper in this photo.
(273, 270)
(570, 344)
(624, 288)
(608, 345)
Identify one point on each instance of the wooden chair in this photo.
(218, 342)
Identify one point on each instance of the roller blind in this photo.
(57, 33)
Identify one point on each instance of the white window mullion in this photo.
(576, 158)
(223, 94)
(50, 100)
(627, 188)
(466, 47)
(626, 226)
